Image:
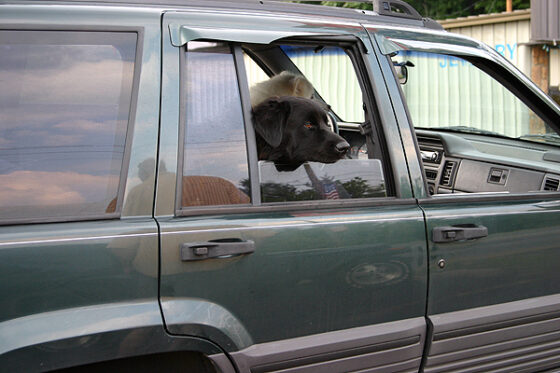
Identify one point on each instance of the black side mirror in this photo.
(402, 71)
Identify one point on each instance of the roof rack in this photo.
(395, 8)
(391, 8)
(398, 8)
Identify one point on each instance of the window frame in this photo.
(355, 50)
(129, 128)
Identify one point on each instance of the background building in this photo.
(528, 38)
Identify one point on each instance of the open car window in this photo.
(296, 121)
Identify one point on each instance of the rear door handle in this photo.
(215, 249)
(460, 232)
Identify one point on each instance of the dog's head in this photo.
(293, 130)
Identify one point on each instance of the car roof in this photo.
(268, 6)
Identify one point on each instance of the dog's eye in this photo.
(308, 125)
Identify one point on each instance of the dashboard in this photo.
(472, 163)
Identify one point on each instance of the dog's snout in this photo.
(342, 147)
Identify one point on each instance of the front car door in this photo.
(321, 267)
(487, 153)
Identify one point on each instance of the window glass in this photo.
(64, 107)
(215, 170)
(345, 179)
(451, 93)
(331, 72)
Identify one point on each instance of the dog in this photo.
(293, 130)
(283, 84)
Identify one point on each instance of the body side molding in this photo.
(397, 345)
(516, 335)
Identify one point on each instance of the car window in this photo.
(315, 156)
(475, 135)
(449, 92)
(215, 168)
(64, 109)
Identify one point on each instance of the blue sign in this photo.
(506, 50)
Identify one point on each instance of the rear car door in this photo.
(321, 267)
(487, 145)
(75, 254)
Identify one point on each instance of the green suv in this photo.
(143, 229)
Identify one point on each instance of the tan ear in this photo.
(302, 87)
(298, 86)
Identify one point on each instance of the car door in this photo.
(296, 282)
(75, 254)
(485, 139)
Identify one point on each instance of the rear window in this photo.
(64, 109)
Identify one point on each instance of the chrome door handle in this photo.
(215, 249)
(460, 232)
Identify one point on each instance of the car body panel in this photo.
(368, 273)
(59, 275)
(85, 335)
(518, 259)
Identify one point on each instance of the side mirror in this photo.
(402, 71)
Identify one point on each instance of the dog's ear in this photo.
(270, 119)
(302, 87)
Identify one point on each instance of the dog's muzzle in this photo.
(342, 147)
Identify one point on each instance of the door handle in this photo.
(460, 232)
(215, 249)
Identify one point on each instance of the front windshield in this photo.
(451, 94)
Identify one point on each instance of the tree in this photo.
(359, 188)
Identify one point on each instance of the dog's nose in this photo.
(342, 147)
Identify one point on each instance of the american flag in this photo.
(329, 191)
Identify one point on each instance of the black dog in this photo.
(293, 130)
